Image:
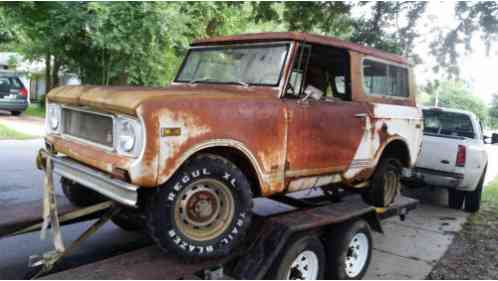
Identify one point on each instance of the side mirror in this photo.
(494, 138)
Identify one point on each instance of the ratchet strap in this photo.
(50, 214)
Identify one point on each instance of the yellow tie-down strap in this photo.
(380, 210)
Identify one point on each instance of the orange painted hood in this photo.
(127, 99)
(113, 99)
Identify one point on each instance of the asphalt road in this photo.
(20, 181)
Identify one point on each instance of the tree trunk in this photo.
(55, 73)
(48, 78)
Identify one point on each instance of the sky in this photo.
(477, 69)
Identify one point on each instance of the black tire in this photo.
(473, 198)
(338, 249)
(382, 193)
(79, 195)
(130, 220)
(283, 268)
(455, 199)
(187, 215)
(15, 113)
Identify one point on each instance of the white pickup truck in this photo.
(452, 156)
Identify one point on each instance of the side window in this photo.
(398, 77)
(384, 79)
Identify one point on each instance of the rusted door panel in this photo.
(323, 136)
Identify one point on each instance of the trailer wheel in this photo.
(80, 195)
(349, 250)
(303, 258)
(203, 211)
(129, 220)
(385, 183)
(455, 199)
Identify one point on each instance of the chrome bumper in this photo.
(115, 189)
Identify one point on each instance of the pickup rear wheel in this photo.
(203, 211)
(385, 183)
(473, 198)
(455, 199)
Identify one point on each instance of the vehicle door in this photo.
(323, 134)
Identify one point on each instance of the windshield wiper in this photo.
(240, 83)
(196, 80)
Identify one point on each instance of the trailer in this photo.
(313, 238)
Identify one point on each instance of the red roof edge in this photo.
(301, 36)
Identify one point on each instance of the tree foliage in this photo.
(456, 94)
(493, 112)
(479, 17)
(142, 43)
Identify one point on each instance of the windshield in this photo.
(447, 124)
(253, 65)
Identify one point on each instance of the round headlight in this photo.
(53, 117)
(127, 136)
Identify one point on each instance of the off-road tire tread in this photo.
(372, 195)
(154, 198)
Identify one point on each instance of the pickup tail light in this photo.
(461, 156)
(23, 92)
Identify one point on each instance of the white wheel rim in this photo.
(304, 267)
(357, 255)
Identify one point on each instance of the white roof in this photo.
(446, 109)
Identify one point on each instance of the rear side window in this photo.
(383, 79)
(447, 124)
(9, 83)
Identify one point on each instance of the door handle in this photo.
(361, 115)
(445, 161)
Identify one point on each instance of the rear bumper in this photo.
(13, 105)
(435, 177)
(115, 189)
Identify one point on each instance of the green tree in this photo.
(493, 113)
(455, 94)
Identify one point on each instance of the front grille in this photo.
(88, 126)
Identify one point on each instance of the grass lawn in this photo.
(490, 194)
(35, 110)
(7, 133)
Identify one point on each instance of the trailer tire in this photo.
(455, 199)
(302, 258)
(203, 211)
(385, 183)
(349, 250)
(129, 220)
(79, 195)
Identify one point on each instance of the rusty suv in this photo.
(246, 116)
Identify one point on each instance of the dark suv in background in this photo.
(13, 94)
